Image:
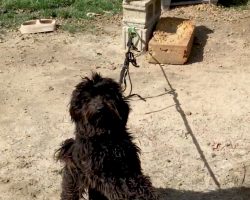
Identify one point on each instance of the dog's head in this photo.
(99, 101)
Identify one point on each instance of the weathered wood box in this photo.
(172, 41)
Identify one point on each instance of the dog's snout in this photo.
(97, 103)
(100, 103)
(100, 108)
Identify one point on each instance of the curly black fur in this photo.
(102, 159)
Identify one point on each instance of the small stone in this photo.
(43, 62)
(228, 144)
(97, 67)
(113, 67)
(3, 11)
(51, 59)
(188, 113)
(213, 155)
(1, 71)
(6, 180)
(51, 88)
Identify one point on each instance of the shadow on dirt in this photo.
(188, 127)
(229, 3)
(237, 193)
(200, 40)
(240, 193)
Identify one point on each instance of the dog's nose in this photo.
(100, 108)
(97, 104)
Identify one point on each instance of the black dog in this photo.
(102, 159)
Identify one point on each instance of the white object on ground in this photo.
(91, 14)
(38, 26)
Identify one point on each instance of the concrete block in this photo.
(165, 4)
(141, 41)
(172, 41)
(213, 2)
(38, 26)
(141, 14)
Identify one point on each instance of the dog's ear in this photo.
(75, 109)
(64, 153)
(77, 98)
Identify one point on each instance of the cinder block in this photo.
(213, 2)
(172, 41)
(141, 14)
(141, 41)
(165, 4)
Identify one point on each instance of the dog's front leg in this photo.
(70, 185)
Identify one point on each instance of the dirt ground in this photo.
(193, 129)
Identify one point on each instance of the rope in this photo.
(129, 58)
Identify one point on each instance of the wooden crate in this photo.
(172, 41)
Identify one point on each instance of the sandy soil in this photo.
(193, 129)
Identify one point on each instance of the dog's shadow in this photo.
(240, 193)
